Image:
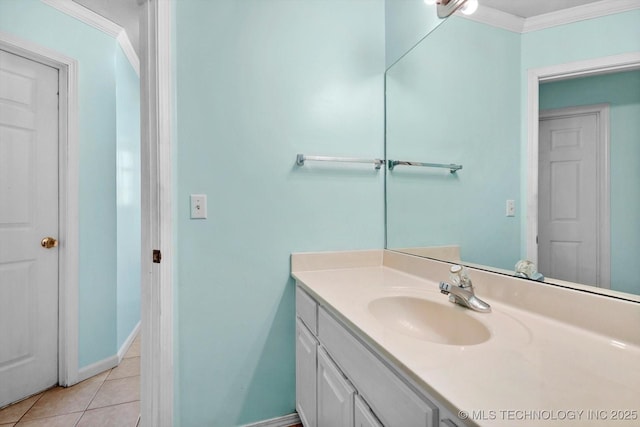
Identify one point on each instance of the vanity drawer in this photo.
(307, 310)
(393, 402)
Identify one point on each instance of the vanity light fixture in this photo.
(448, 7)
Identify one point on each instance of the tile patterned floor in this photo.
(110, 399)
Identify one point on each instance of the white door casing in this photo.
(157, 379)
(573, 199)
(28, 213)
(67, 178)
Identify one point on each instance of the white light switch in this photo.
(198, 206)
(511, 208)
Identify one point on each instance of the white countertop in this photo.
(532, 371)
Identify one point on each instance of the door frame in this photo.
(157, 377)
(68, 172)
(603, 178)
(535, 76)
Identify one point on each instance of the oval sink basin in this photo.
(430, 321)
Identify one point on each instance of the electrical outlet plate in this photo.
(198, 206)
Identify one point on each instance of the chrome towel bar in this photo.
(301, 158)
(452, 167)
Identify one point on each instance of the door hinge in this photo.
(157, 256)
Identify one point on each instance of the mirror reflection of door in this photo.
(573, 224)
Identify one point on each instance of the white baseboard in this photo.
(286, 421)
(127, 343)
(111, 361)
(98, 367)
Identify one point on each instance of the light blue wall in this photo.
(258, 82)
(406, 23)
(451, 100)
(593, 38)
(128, 196)
(622, 92)
(95, 52)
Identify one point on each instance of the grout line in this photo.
(34, 403)
(109, 406)
(96, 393)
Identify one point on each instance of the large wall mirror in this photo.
(541, 108)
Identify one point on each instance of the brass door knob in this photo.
(48, 243)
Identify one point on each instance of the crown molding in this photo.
(496, 18)
(101, 23)
(129, 51)
(579, 13)
(507, 21)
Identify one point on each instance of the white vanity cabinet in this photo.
(335, 394)
(306, 365)
(342, 382)
(363, 416)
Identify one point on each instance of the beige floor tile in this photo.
(60, 400)
(127, 368)
(113, 392)
(68, 420)
(123, 415)
(7, 425)
(99, 378)
(134, 349)
(13, 413)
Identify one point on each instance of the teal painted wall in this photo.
(128, 196)
(96, 55)
(258, 82)
(622, 92)
(465, 113)
(406, 23)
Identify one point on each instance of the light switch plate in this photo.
(198, 206)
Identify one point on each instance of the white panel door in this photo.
(28, 213)
(568, 198)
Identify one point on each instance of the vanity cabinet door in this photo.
(363, 415)
(391, 400)
(306, 363)
(335, 394)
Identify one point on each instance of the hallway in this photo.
(109, 399)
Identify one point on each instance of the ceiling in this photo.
(122, 12)
(529, 8)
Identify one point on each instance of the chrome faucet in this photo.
(461, 292)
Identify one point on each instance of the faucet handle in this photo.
(459, 276)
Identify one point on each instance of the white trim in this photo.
(101, 23)
(157, 381)
(603, 237)
(286, 421)
(592, 67)
(98, 367)
(127, 343)
(129, 51)
(111, 361)
(496, 18)
(68, 233)
(579, 13)
(517, 24)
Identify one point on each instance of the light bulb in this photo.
(469, 7)
(429, 2)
